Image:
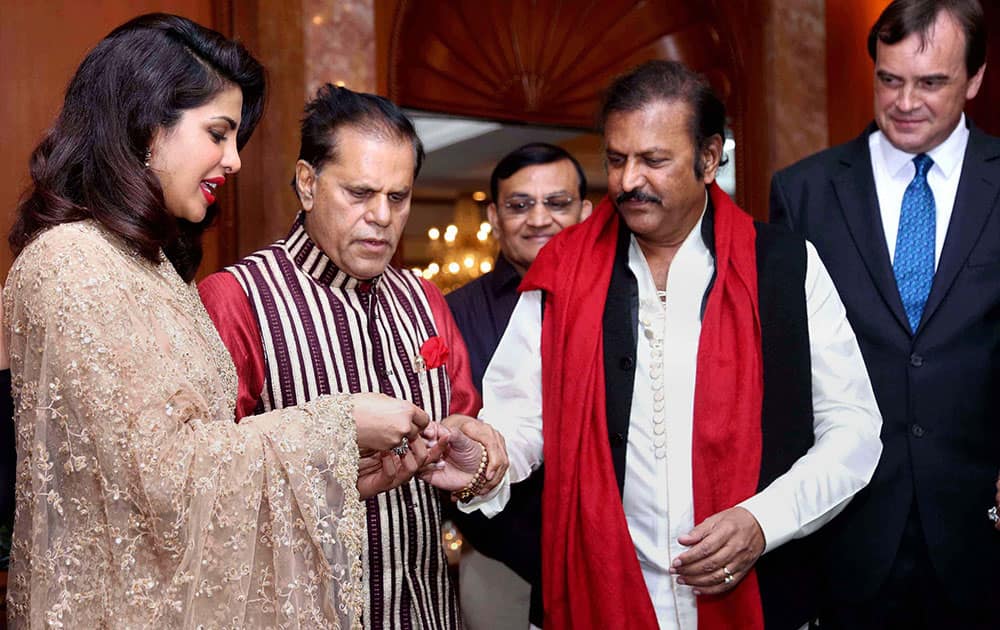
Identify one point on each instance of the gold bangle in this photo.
(477, 482)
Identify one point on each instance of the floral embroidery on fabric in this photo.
(140, 503)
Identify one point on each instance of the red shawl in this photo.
(590, 573)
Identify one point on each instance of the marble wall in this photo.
(795, 56)
(339, 38)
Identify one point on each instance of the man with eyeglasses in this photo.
(537, 190)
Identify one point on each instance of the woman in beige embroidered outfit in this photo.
(140, 503)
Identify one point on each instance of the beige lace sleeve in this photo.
(140, 503)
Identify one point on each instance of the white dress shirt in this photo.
(894, 170)
(658, 498)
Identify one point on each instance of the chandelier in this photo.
(461, 251)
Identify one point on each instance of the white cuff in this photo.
(491, 503)
(768, 509)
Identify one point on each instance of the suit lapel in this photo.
(975, 200)
(855, 188)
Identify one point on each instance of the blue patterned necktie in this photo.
(914, 261)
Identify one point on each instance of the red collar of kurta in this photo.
(590, 572)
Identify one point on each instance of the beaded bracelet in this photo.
(478, 480)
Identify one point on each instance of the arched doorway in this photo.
(547, 61)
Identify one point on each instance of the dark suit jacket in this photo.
(481, 310)
(938, 390)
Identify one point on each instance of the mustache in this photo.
(637, 195)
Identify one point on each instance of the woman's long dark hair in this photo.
(90, 164)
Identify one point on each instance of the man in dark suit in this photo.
(536, 191)
(907, 220)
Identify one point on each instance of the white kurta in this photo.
(658, 497)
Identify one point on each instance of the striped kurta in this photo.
(324, 331)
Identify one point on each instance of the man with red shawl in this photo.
(706, 407)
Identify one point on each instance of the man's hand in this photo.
(723, 545)
(489, 437)
(460, 464)
(437, 438)
(383, 421)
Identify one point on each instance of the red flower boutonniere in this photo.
(433, 354)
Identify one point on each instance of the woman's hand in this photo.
(381, 471)
(383, 421)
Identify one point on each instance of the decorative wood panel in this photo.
(848, 67)
(548, 61)
(272, 30)
(540, 61)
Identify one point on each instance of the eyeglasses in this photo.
(523, 205)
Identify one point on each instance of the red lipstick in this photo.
(208, 187)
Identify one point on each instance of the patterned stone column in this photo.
(339, 38)
(795, 56)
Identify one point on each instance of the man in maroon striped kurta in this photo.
(322, 311)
